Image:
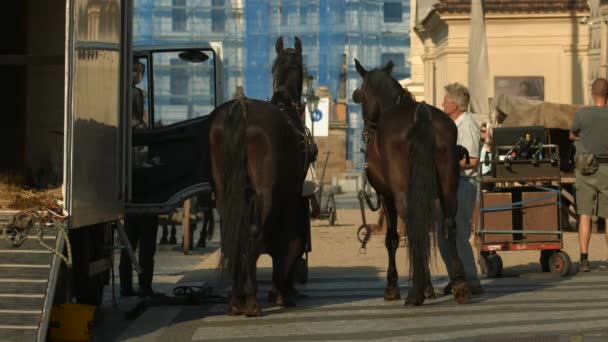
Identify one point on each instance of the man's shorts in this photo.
(592, 193)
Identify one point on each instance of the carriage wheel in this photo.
(493, 265)
(301, 271)
(545, 255)
(331, 210)
(560, 263)
(332, 217)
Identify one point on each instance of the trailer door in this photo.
(93, 155)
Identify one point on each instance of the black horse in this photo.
(412, 160)
(259, 158)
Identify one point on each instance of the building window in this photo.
(179, 82)
(178, 15)
(303, 14)
(284, 15)
(397, 58)
(218, 16)
(393, 12)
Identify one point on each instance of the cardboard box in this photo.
(541, 215)
(497, 220)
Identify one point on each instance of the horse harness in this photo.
(305, 138)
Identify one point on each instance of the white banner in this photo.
(321, 119)
(479, 70)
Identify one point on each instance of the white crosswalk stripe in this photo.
(343, 309)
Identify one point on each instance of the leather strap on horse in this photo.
(301, 131)
(364, 233)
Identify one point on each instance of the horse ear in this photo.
(298, 46)
(279, 45)
(389, 67)
(360, 68)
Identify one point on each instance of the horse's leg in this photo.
(293, 252)
(448, 182)
(293, 228)
(391, 241)
(236, 301)
(415, 295)
(207, 217)
(172, 238)
(250, 288)
(163, 238)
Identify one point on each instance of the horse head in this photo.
(288, 71)
(379, 91)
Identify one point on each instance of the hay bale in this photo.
(15, 194)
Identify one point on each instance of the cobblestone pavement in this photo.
(344, 300)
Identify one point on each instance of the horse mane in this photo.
(389, 90)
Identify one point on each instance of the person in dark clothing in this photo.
(141, 229)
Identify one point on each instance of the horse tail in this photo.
(238, 237)
(422, 190)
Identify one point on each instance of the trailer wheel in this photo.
(493, 265)
(545, 256)
(560, 263)
(300, 271)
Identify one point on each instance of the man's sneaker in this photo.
(476, 290)
(584, 266)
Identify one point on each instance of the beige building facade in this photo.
(544, 40)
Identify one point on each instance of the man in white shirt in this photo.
(455, 104)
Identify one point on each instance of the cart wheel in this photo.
(332, 216)
(560, 263)
(545, 255)
(301, 271)
(482, 262)
(493, 265)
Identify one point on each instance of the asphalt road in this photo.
(344, 300)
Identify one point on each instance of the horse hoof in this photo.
(429, 293)
(285, 301)
(392, 293)
(414, 300)
(254, 311)
(163, 241)
(462, 292)
(201, 244)
(234, 311)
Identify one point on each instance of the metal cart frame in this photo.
(552, 257)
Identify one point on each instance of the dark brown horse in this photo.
(258, 164)
(412, 161)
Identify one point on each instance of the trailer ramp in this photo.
(28, 275)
